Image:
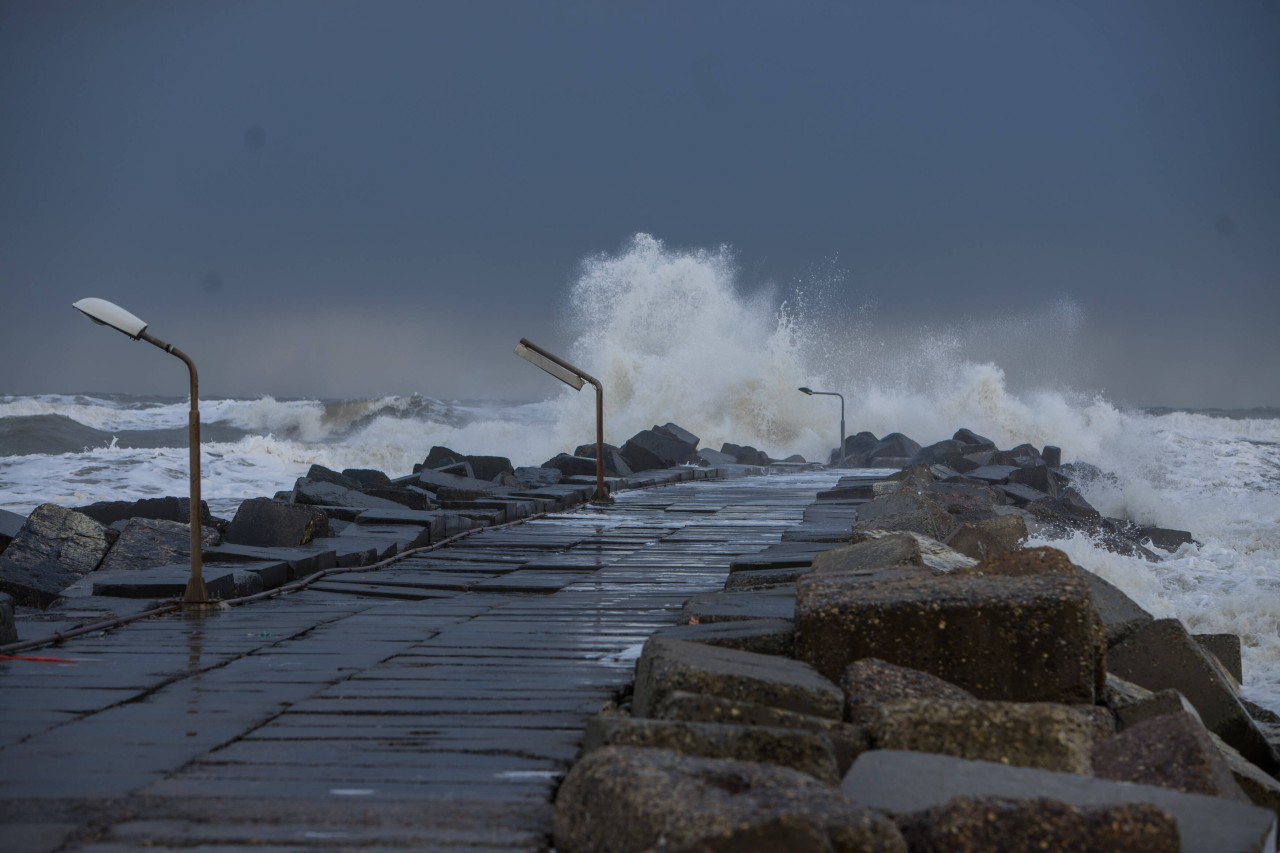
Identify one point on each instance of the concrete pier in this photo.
(431, 705)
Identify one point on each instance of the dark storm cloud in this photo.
(384, 195)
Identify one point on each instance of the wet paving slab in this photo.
(433, 704)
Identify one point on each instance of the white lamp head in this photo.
(106, 313)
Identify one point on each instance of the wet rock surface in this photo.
(620, 798)
(54, 548)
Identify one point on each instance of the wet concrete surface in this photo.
(431, 705)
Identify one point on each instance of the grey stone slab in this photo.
(165, 582)
(304, 560)
(906, 782)
(376, 590)
(531, 581)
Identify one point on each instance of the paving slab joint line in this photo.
(295, 586)
(152, 690)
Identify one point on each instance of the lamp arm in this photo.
(196, 593)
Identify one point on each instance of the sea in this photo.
(674, 337)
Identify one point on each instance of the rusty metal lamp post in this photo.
(106, 313)
(811, 392)
(574, 378)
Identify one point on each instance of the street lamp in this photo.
(574, 378)
(811, 392)
(106, 313)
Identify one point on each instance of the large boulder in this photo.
(972, 441)
(1029, 638)
(995, 823)
(848, 741)
(657, 448)
(1161, 655)
(434, 481)
(668, 665)
(630, 799)
(327, 493)
(893, 451)
(871, 683)
(805, 751)
(905, 783)
(745, 454)
(321, 474)
(1021, 734)
(950, 453)
(490, 467)
(715, 457)
(55, 548)
(989, 537)
(164, 509)
(274, 524)
(536, 478)
(678, 433)
(441, 457)
(149, 542)
(1022, 456)
(884, 550)
(10, 524)
(905, 510)
(572, 466)
(856, 448)
(1172, 751)
(367, 477)
(614, 464)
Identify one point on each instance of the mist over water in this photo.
(674, 335)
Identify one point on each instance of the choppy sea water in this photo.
(673, 339)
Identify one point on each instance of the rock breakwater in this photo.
(971, 693)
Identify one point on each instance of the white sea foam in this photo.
(674, 337)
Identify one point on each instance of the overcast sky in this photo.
(354, 198)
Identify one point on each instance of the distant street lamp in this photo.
(811, 392)
(574, 378)
(106, 313)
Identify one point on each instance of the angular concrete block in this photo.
(1132, 704)
(1172, 751)
(871, 683)
(905, 511)
(901, 783)
(1029, 639)
(628, 799)
(994, 823)
(1161, 655)
(807, 752)
(1120, 614)
(848, 741)
(1020, 734)
(148, 542)
(667, 665)
(1226, 648)
(883, 550)
(989, 537)
(54, 548)
(268, 523)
